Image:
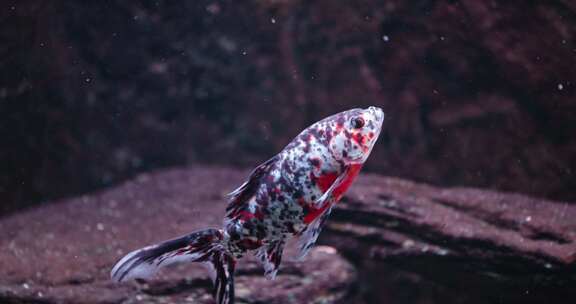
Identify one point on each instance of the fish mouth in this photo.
(378, 113)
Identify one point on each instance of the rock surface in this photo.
(63, 252)
(498, 247)
(409, 243)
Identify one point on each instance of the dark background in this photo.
(477, 93)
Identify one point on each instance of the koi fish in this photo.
(289, 195)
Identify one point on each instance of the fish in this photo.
(288, 196)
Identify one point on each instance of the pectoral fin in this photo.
(318, 217)
(327, 196)
(310, 235)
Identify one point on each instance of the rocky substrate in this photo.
(63, 252)
(403, 243)
(482, 245)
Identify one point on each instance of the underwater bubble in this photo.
(442, 252)
(213, 8)
(408, 243)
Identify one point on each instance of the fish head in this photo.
(354, 133)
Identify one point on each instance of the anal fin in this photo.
(270, 256)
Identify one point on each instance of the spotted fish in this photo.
(289, 195)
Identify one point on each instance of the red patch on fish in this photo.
(314, 213)
(246, 215)
(358, 138)
(325, 181)
(343, 187)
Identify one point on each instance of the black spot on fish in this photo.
(297, 194)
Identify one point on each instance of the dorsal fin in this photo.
(240, 196)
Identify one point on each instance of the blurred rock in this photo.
(63, 252)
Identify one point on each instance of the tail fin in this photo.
(201, 246)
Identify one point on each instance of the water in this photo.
(98, 95)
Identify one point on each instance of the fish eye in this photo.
(357, 122)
